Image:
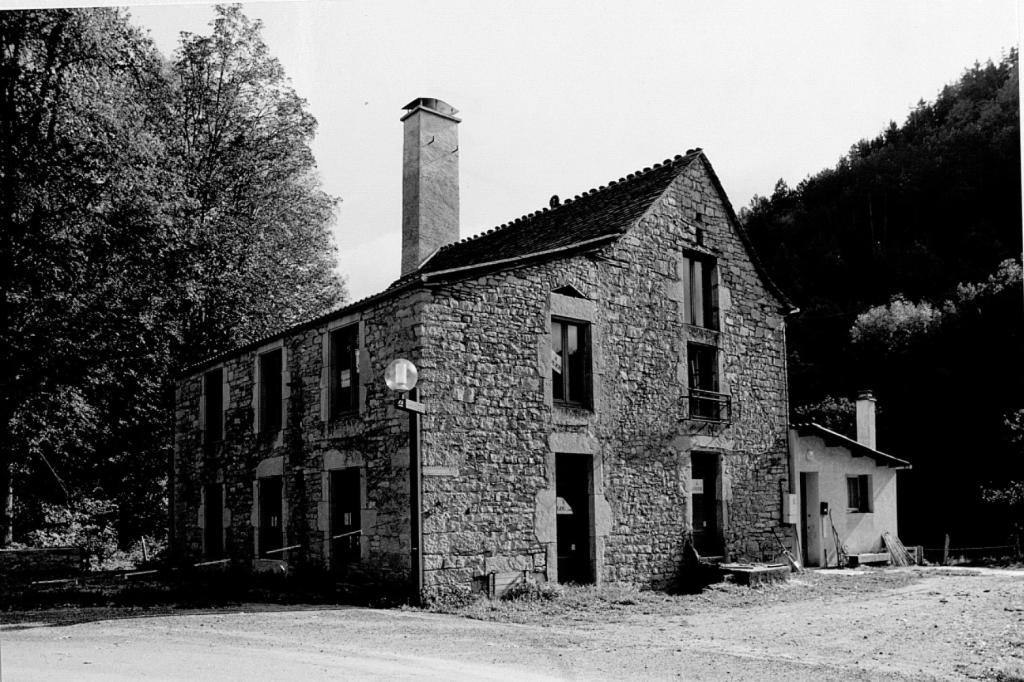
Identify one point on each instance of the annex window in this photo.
(344, 370)
(700, 291)
(213, 523)
(271, 395)
(705, 400)
(213, 410)
(346, 502)
(570, 362)
(858, 493)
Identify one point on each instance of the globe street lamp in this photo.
(401, 375)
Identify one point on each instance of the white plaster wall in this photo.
(861, 532)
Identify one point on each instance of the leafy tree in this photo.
(893, 328)
(82, 202)
(153, 213)
(254, 224)
(836, 413)
(1008, 496)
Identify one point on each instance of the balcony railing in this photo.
(709, 406)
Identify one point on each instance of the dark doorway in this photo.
(810, 512)
(345, 521)
(213, 521)
(707, 537)
(271, 529)
(573, 487)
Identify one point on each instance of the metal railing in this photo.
(709, 406)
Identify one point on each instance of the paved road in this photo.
(355, 643)
(941, 627)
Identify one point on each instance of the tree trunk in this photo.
(7, 508)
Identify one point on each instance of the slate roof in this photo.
(602, 212)
(834, 439)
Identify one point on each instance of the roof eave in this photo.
(879, 456)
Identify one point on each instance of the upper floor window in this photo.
(705, 400)
(271, 393)
(344, 370)
(213, 409)
(699, 291)
(570, 362)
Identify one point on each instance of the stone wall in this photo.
(489, 434)
(46, 563)
(375, 438)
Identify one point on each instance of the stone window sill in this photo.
(569, 415)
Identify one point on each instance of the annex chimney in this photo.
(866, 419)
(430, 180)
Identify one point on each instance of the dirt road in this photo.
(910, 625)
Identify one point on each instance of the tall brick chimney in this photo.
(866, 419)
(430, 180)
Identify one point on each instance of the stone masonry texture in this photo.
(482, 344)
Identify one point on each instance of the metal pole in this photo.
(415, 511)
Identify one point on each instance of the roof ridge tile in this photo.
(579, 219)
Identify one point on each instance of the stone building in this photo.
(605, 380)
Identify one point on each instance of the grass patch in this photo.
(573, 604)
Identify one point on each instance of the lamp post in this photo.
(401, 376)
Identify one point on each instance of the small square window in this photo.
(570, 362)
(858, 492)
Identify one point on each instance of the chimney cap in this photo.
(433, 105)
(865, 394)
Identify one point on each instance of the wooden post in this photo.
(945, 551)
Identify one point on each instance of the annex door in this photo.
(810, 512)
(707, 538)
(271, 530)
(573, 488)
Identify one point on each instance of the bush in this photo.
(528, 589)
(88, 524)
(451, 598)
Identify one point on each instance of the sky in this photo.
(559, 97)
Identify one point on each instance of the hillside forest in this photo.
(905, 262)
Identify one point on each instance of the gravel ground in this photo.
(897, 624)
